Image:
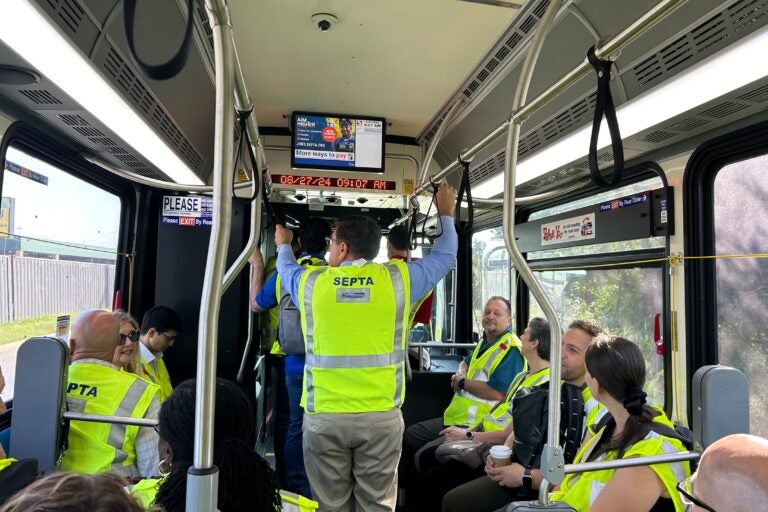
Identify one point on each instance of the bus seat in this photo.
(39, 401)
(720, 403)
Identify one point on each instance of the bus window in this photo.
(58, 242)
(623, 299)
(491, 273)
(740, 193)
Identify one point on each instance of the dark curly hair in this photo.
(233, 454)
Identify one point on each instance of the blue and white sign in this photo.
(191, 211)
(624, 202)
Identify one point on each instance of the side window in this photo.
(740, 194)
(612, 284)
(58, 243)
(491, 273)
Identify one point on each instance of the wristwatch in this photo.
(461, 383)
(469, 434)
(527, 479)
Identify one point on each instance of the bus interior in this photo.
(125, 190)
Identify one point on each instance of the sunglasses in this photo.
(133, 336)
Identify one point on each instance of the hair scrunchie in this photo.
(634, 401)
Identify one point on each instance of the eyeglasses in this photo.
(133, 336)
(685, 488)
(329, 240)
(156, 428)
(170, 339)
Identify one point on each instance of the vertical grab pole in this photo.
(202, 478)
(552, 456)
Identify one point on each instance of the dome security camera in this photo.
(323, 21)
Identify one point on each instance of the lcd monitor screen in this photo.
(337, 142)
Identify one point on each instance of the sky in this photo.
(67, 209)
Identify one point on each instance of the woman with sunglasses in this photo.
(615, 376)
(127, 351)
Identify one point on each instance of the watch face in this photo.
(469, 434)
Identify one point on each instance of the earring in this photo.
(165, 466)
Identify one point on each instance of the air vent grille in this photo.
(759, 95)
(724, 109)
(206, 26)
(143, 98)
(69, 12)
(658, 136)
(703, 40)
(746, 12)
(40, 97)
(689, 124)
(490, 68)
(104, 143)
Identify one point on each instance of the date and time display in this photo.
(329, 182)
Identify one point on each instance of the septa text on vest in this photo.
(85, 389)
(352, 281)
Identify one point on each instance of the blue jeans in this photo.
(294, 455)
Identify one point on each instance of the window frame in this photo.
(633, 174)
(39, 145)
(699, 236)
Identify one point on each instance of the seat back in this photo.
(720, 403)
(39, 401)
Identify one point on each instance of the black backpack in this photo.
(530, 414)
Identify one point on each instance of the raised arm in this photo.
(290, 271)
(426, 273)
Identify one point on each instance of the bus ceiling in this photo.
(474, 51)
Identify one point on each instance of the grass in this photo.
(26, 328)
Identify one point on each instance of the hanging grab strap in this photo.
(244, 146)
(604, 106)
(464, 187)
(170, 68)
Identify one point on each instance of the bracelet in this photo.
(461, 383)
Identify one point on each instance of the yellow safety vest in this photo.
(580, 490)
(146, 491)
(159, 377)
(4, 463)
(593, 410)
(466, 408)
(355, 324)
(270, 332)
(293, 502)
(94, 446)
(291, 335)
(501, 415)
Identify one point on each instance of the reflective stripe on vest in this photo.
(501, 415)
(581, 490)
(94, 446)
(466, 408)
(593, 410)
(288, 334)
(334, 323)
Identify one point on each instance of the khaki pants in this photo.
(353, 457)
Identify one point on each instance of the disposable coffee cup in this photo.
(501, 455)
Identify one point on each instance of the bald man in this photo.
(96, 386)
(732, 475)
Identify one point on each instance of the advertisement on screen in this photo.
(337, 142)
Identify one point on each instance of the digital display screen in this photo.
(328, 182)
(337, 142)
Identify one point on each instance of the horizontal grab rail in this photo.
(99, 418)
(586, 467)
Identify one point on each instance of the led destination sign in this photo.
(328, 182)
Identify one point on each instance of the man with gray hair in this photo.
(732, 476)
(96, 386)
